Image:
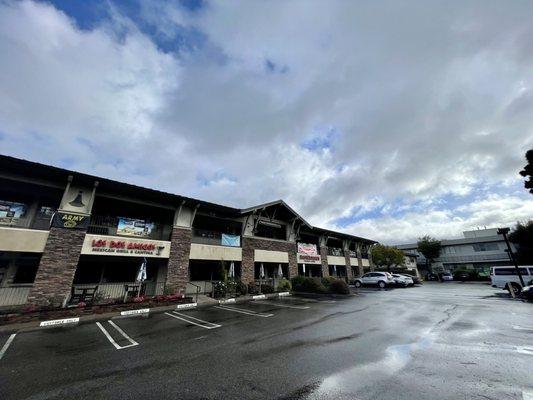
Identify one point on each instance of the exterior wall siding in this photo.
(55, 275)
(324, 258)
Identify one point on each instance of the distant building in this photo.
(479, 250)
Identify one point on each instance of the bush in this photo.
(240, 288)
(219, 290)
(253, 288)
(266, 289)
(338, 286)
(312, 285)
(297, 283)
(327, 280)
(284, 285)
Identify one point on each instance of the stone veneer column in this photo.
(54, 278)
(178, 261)
(324, 259)
(349, 274)
(249, 244)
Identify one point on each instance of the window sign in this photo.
(10, 212)
(231, 240)
(134, 227)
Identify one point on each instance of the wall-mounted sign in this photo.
(70, 221)
(134, 227)
(306, 248)
(118, 246)
(308, 259)
(231, 240)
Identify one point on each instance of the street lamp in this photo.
(504, 232)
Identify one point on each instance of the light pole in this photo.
(504, 232)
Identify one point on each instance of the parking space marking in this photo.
(523, 328)
(280, 305)
(244, 311)
(525, 350)
(6, 344)
(119, 330)
(189, 319)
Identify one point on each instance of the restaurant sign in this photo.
(308, 259)
(118, 246)
(70, 221)
(306, 248)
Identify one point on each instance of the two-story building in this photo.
(61, 229)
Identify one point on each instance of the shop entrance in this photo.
(111, 275)
(202, 274)
(311, 270)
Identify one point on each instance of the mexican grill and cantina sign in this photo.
(114, 246)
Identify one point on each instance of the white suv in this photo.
(501, 277)
(381, 279)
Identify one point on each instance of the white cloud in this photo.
(428, 101)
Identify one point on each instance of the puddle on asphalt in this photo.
(344, 384)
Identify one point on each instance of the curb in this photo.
(74, 321)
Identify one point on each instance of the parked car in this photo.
(446, 277)
(502, 277)
(380, 279)
(416, 279)
(402, 280)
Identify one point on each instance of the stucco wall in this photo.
(18, 239)
(210, 252)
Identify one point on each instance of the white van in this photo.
(501, 276)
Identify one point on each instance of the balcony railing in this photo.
(105, 225)
(334, 251)
(352, 253)
(203, 236)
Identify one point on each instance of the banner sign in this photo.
(134, 227)
(231, 240)
(10, 212)
(70, 221)
(306, 248)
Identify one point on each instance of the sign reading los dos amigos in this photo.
(70, 221)
(115, 246)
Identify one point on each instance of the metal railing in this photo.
(352, 253)
(204, 236)
(116, 291)
(334, 251)
(107, 225)
(14, 295)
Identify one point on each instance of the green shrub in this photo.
(284, 285)
(253, 288)
(240, 288)
(297, 283)
(219, 289)
(313, 285)
(338, 286)
(266, 289)
(327, 280)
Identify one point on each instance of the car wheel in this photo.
(381, 284)
(405, 285)
(358, 284)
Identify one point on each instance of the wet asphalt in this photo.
(436, 341)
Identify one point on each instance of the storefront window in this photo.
(11, 212)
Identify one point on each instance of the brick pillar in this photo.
(293, 263)
(324, 258)
(247, 263)
(53, 281)
(178, 261)
(360, 265)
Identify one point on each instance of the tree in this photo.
(429, 247)
(386, 256)
(522, 238)
(528, 171)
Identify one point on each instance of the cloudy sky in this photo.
(389, 120)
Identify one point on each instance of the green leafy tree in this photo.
(430, 248)
(528, 171)
(386, 256)
(522, 238)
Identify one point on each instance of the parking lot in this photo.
(440, 341)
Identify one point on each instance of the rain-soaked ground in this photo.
(438, 341)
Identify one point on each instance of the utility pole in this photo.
(504, 232)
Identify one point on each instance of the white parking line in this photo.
(280, 305)
(523, 328)
(243, 311)
(525, 350)
(188, 318)
(6, 345)
(119, 330)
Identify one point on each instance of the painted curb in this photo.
(135, 312)
(283, 294)
(186, 305)
(63, 321)
(227, 301)
(259, 297)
